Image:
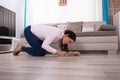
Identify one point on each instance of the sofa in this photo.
(91, 36)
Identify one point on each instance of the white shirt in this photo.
(48, 34)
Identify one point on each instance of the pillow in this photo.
(107, 28)
(75, 26)
(88, 28)
(62, 27)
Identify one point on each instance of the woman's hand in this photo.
(76, 53)
(73, 53)
(61, 53)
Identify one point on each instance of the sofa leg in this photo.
(112, 52)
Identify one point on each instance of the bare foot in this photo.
(17, 50)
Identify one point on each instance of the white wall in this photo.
(48, 11)
(18, 7)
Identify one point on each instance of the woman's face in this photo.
(67, 40)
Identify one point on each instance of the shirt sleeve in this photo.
(46, 43)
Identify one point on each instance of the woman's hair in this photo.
(71, 34)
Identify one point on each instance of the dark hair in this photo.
(71, 34)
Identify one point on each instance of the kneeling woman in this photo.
(41, 36)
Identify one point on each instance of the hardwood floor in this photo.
(51, 67)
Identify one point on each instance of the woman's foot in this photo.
(17, 50)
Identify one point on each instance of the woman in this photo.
(41, 36)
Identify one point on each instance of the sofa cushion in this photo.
(96, 24)
(75, 26)
(107, 28)
(96, 33)
(62, 26)
(88, 28)
(96, 39)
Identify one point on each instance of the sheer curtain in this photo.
(49, 11)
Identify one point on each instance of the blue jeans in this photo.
(35, 43)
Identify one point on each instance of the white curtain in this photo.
(49, 11)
